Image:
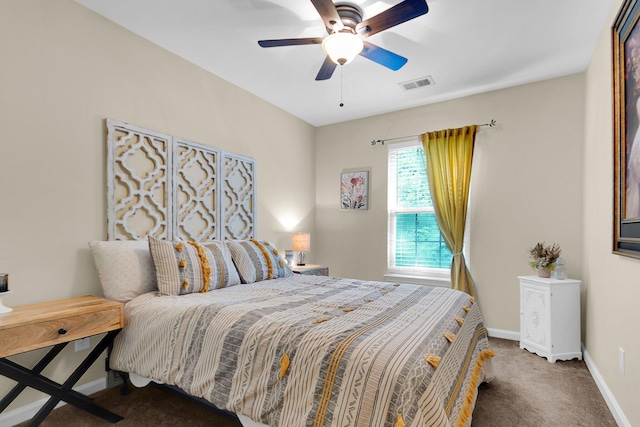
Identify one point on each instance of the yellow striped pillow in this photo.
(257, 260)
(188, 267)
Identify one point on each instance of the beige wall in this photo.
(613, 282)
(526, 186)
(64, 70)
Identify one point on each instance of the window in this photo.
(415, 245)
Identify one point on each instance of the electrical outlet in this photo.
(82, 344)
(621, 359)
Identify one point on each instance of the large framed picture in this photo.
(626, 124)
(354, 189)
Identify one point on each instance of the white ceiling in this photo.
(466, 46)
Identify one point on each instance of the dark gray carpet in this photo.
(527, 391)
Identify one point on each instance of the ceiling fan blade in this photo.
(383, 57)
(290, 42)
(329, 14)
(402, 12)
(327, 69)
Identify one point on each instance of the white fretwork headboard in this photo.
(171, 188)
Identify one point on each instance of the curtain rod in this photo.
(491, 124)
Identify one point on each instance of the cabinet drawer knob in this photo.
(62, 331)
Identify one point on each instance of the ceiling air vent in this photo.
(417, 83)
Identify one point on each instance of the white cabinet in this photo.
(550, 317)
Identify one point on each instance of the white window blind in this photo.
(415, 245)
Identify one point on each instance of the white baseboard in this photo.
(611, 401)
(504, 334)
(26, 412)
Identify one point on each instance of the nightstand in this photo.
(56, 323)
(550, 317)
(311, 269)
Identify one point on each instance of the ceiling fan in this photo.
(346, 32)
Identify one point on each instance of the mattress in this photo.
(315, 351)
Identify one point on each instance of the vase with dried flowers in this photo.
(543, 258)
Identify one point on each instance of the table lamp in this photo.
(301, 243)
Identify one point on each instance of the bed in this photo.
(229, 323)
(217, 314)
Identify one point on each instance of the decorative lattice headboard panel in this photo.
(171, 188)
(238, 197)
(196, 190)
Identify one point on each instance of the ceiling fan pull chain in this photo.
(341, 103)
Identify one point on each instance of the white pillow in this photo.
(124, 267)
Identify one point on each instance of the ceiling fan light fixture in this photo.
(342, 48)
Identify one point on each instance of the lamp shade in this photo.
(301, 242)
(342, 47)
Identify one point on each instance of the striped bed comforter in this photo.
(315, 351)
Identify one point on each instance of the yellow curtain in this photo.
(449, 154)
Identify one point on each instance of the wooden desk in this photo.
(56, 323)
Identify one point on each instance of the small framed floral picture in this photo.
(354, 189)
